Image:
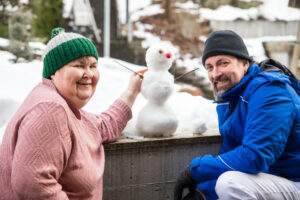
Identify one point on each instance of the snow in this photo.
(270, 10)
(187, 5)
(280, 10)
(256, 49)
(37, 47)
(67, 7)
(221, 13)
(147, 11)
(133, 6)
(17, 80)
(4, 42)
(149, 38)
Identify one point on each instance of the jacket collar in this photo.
(234, 94)
(71, 105)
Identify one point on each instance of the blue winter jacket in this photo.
(260, 125)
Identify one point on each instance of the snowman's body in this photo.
(157, 118)
(157, 86)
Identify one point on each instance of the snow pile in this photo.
(147, 11)
(221, 14)
(279, 8)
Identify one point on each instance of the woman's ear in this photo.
(52, 77)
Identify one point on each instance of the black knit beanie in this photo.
(225, 42)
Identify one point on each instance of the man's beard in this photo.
(219, 92)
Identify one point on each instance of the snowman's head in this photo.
(159, 57)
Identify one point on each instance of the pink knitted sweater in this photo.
(51, 150)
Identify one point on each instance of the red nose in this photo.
(168, 55)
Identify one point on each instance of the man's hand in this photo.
(183, 181)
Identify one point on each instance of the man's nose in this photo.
(215, 73)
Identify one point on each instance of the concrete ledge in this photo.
(147, 169)
(125, 143)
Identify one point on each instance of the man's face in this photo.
(77, 80)
(224, 72)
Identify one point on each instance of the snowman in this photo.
(157, 118)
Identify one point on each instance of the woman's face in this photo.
(77, 80)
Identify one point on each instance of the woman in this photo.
(52, 149)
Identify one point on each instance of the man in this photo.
(259, 119)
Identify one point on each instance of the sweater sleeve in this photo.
(268, 124)
(112, 122)
(42, 150)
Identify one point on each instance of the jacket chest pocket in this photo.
(234, 123)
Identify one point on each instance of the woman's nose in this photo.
(88, 73)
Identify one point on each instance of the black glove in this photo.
(195, 195)
(183, 181)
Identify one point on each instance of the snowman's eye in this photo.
(160, 51)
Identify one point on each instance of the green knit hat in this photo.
(64, 48)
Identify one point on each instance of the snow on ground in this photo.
(17, 80)
(270, 10)
(256, 49)
(4, 42)
(36, 47)
(221, 14)
(133, 6)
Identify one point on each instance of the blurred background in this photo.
(124, 29)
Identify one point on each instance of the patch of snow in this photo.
(133, 6)
(147, 11)
(4, 42)
(255, 45)
(279, 11)
(68, 4)
(37, 47)
(113, 81)
(187, 5)
(228, 13)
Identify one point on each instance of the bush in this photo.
(4, 31)
(19, 34)
(4, 15)
(48, 15)
(20, 50)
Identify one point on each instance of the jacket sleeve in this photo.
(112, 122)
(268, 123)
(43, 147)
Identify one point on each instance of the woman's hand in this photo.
(134, 88)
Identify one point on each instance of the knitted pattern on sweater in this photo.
(48, 152)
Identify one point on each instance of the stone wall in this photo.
(147, 169)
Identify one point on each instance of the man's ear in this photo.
(246, 65)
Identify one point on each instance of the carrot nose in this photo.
(168, 55)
